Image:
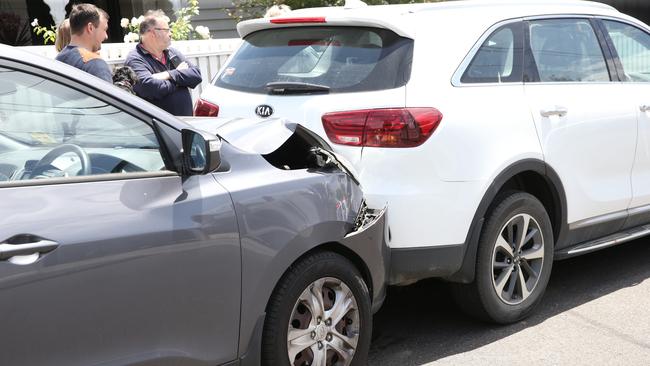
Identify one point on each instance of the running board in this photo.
(608, 241)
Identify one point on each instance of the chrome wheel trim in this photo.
(517, 259)
(324, 325)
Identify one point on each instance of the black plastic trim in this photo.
(531, 74)
(607, 49)
(636, 217)
(413, 264)
(468, 268)
(593, 231)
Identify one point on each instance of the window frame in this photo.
(618, 65)
(517, 58)
(469, 57)
(170, 167)
(530, 70)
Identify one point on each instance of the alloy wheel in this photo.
(517, 259)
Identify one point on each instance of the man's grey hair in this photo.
(150, 19)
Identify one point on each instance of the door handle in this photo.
(644, 108)
(554, 111)
(41, 246)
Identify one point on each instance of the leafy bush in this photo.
(49, 34)
(181, 28)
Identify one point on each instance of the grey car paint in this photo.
(133, 278)
(154, 269)
(292, 213)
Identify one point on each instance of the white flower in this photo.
(35, 22)
(124, 23)
(203, 31)
(140, 19)
(131, 37)
(135, 22)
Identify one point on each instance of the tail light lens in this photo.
(205, 109)
(393, 127)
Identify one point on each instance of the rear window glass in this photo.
(343, 59)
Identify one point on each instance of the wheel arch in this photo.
(532, 176)
(337, 248)
(251, 354)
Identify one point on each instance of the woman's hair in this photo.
(62, 35)
(277, 10)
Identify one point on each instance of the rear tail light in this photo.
(394, 127)
(205, 109)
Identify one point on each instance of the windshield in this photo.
(313, 59)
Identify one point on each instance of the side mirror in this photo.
(200, 152)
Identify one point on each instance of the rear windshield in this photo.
(343, 59)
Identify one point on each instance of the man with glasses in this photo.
(165, 75)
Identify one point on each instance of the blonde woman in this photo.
(62, 35)
(277, 10)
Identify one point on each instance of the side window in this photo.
(499, 59)
(633, 48)
(567, 50)
(48, 130)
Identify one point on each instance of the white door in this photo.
(586, 125)
(632, 45)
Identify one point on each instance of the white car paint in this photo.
(434, 190)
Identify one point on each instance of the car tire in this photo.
(296, 310)
(512, 270)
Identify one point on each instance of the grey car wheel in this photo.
(324, 325)
(319, 314)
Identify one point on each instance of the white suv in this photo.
(503, 135)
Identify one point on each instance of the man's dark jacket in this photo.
(171, 95)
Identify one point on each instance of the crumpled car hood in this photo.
(253, 136)
(264, 137)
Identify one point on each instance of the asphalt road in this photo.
(596, 311)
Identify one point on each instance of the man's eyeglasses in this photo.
(163, 29)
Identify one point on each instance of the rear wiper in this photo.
(294, 87)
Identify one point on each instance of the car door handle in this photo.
(644, 108)
(554, 111)
(41, 246)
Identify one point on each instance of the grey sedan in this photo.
(130, 237)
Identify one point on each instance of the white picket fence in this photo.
(208, 55)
